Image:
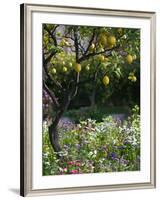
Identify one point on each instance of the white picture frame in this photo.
(32, 181)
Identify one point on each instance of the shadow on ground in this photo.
(14, 190)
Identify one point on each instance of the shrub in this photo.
(96, 113)
(106, 146)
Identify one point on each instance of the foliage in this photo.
(98, 52)
(106, 146)
(96, 113)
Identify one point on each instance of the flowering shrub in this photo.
(92, 147)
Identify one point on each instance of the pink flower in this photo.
(65, 169)
(74, 171)
(75, 162)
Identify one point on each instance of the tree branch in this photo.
(52, 81)
(90, 42)
(51, 33)
(69, 37)
(45, 62)
(76, 86)
(81, 48)
(106, 51)
(54, 29)
(51, 94)
(76, 43)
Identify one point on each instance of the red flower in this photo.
(71, 163)
(78, 164)
(74, 171)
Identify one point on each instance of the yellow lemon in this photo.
(101, 58)
(65, 69)
(87, 68)
(103, 39)
(131, 74)
(66, 43)
(129, 59)
(110, 46)
(70, 64)
(105, 80)
(111, 40)
(77, 67)
(134, 79)
(105, 59)
(54, 71)
(130, 77)
(134, 57)
(92, 47)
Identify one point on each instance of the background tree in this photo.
(93, 59)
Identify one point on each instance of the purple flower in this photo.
(78, 146)
(123, 161)
(112, 155)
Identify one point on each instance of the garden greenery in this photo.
(109, 145)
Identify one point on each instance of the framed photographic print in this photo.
(87, 100)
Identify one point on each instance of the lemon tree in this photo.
(86, 61)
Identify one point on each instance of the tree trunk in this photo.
(54, 138)
(54, 135)
(93, 94)
(92, 98)
(53, 129)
